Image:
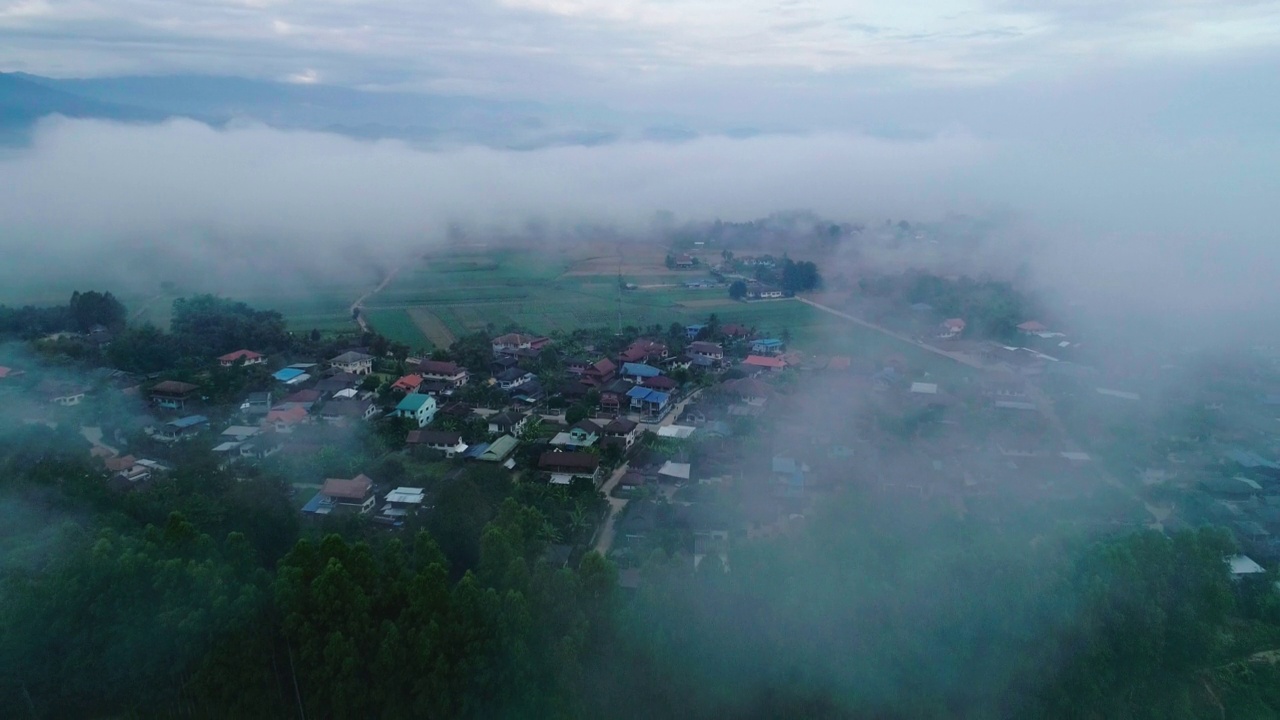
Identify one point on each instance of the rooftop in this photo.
(414, 403)
(356, 488)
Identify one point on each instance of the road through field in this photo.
(359, 303)
(958, 357)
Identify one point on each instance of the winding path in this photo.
(359, 303)
(958, 357)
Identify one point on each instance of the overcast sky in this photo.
(768, 60)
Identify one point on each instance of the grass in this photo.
(398, 326)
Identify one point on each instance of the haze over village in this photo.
(525, 359)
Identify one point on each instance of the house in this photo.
(612, 396)
(708, 350)
(173, 395)
(683, 261)
(256, 403)
(582, 434)
(182, 428)
(356, 363)
(951, 328)
(284, 420)
(649, 403)
(735, 331)
(790, 473)
(1243, 565)
(291, 375)
(749, 391)
(599, 373)
(631, 481)
(638, 371)
(924, 388)
(62, 393)
(693, 331)
(763, 292)
(449, 443)
(338, 382)
(1031, 327)
(508, 423)
(421, 408)
(661, 382)
(675, 471)
(401, 503)
(762, 362)
(644, 350)
(302, 398)
(261, 446)
(498, 451)
(576, 366)
(353, 496)
(407, 384)
(512, 378)
(348, 410)
(441, 371)
(565, 467)
(242, 357)
(519, 344)
(768, 346)
(621, 433)
(240, 433)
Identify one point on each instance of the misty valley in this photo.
(789, 467)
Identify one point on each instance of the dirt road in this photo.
(958, 357)
(605, 540)
(359, 303)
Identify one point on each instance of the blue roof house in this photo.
(649, 403)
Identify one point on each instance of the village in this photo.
(690, 438)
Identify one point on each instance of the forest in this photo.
(205, 597)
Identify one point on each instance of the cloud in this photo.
(1157, 228)
(596, 47)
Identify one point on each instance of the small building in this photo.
(510, 422)
(420, 408)
(768, 346)
(353, 496)
(441, 371)
(498, 451)
(173, 394)
(1242, 566)
(356, 363)
(613, 397)
(242, 357)
(257, 403)
(952, 328)
(182, 428)
(644, 350)
(512, 378)
(407, 384)
(1032, 327)
(284, 420)
(708, 350)
(291, 375)
(924, 388)
(755, 363)
(583, 434)
(519, 344)
(565, 467)
(449, 443)
(639, 371)
(649, 403)
(599, 373)
(401, 503)
(348, 410)
(621, 433)
(693, 331)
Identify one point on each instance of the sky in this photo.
(753, 57)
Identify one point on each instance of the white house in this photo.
(422, 408)
(353, 362)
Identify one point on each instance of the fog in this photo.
(1153, 226)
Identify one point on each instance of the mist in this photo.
(1145, 225)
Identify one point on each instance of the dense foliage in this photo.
(201, 596)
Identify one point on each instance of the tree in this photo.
(92, 308)
(577, 413)
(738, 290)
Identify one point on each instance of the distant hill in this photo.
(23, 100)
(326, 108)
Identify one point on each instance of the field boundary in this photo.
(431, 326)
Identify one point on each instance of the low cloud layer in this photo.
(1152, 226)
